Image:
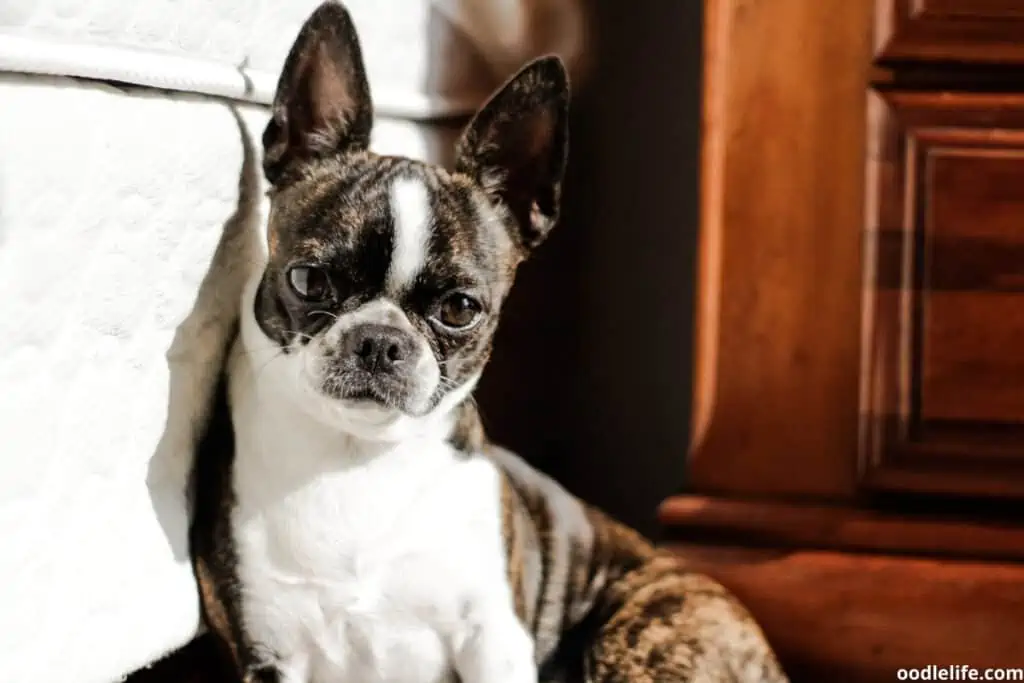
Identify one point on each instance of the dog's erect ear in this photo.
(322, 105)
(516, 146)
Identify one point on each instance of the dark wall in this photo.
(591, 375)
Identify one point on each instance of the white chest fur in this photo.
(364, 562)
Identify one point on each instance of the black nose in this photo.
(378, 348)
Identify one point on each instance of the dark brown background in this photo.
(591, 375)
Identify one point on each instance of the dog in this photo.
(351, 521)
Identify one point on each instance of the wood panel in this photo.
(943, 407)
(779, 268)
(964, 31)
(860, 618)
(992, 10)
(801, 526)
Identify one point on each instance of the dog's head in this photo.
(385, 276)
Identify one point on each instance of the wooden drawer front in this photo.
(944, 346)
(974, 31)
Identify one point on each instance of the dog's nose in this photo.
(378, 348)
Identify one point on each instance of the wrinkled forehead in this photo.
(393, 223)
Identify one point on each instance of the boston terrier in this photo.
(351, 522)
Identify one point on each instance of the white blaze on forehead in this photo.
(410, 208)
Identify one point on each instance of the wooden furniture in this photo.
(857, 464)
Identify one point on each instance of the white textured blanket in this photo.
(107, 343)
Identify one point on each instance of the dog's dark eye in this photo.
(458, 311)
(311, 284)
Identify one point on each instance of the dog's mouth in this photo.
(370, 395)
(363, 389)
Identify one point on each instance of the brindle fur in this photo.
(212, 549)
(602, 604)
(605, 606)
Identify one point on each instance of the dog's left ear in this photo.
(516, 146)
(322, 105)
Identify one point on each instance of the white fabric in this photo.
(425, 58)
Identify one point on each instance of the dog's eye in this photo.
(311, 284)
(458, 311)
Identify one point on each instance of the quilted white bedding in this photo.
(114, 297)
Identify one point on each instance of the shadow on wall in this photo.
(592, 369)
(198, 352)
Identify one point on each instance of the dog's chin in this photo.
(361, 392)
(363, 417)
(370, 411)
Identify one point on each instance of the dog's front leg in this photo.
(492, 646)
